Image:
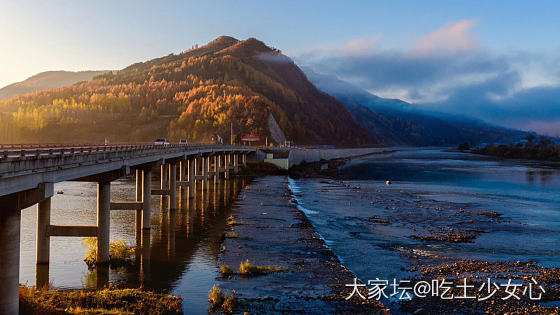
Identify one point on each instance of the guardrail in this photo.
(40, 151)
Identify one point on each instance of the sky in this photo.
(494, 60)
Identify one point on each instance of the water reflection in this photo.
(543, 176)
(178, 239)
(198, 222)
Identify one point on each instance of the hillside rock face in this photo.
(192, 95)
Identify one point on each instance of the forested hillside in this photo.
(46, 80)
(191, 95)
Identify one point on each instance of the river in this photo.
(373, 227)
(184, 244)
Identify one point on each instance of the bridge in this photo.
(28, 174)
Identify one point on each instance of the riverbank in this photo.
(268, 229)
(107, 301)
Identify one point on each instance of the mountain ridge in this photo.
(47, 80)
(194, 94)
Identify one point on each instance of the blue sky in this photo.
(428, 52)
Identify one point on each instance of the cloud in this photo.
(360, 46)
(451, 38)
(536, 109)
(274, 58)
(425, 77)
(355, 47)
(447, 71)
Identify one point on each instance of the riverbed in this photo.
(438, 205)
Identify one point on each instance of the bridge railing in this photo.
(15, 146)
(42, 151)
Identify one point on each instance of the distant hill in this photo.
(396, 122)
(194, 95)
(46, 80)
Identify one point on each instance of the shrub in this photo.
(120, 253)
(215, 297)
(106, 301)
(91, 254)
(219, 300)
(230, 302)
(226, 270)
(120, 250)
(231, 221)
(232, 235)
(248, 269)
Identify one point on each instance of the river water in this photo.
(184, 244)
(373, 227)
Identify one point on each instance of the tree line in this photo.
(543, 149)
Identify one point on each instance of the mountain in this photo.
(191, 95)
(396, 122)
(46, 80)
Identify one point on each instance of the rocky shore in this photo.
(487, 284)
(267, 229)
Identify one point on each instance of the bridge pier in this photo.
(235, 163)
(103, 221)
(226, 165)
(139, 197)
(10, 226)
(10, 220)
(172, 186)
(218, 165)
(43, 239)
(146, 198)
(216, 168)
(182, 170)
(191, 177)
(244, 159)
(182, 177)
(198, 172)
(41, 275)
(205, 168)
(164, 182)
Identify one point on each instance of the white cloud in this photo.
(447, 71)
(360, 46)
(449, 39)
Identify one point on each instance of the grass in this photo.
(230, 302)
(216, 297)
(226, 270)
(106, 301)
(220, 301)
(120, 253)
(91, 254)
(232, 235)
(231, 221)
(248, 269)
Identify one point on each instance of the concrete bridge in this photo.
(28, 175)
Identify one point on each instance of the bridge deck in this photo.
(25, 167)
